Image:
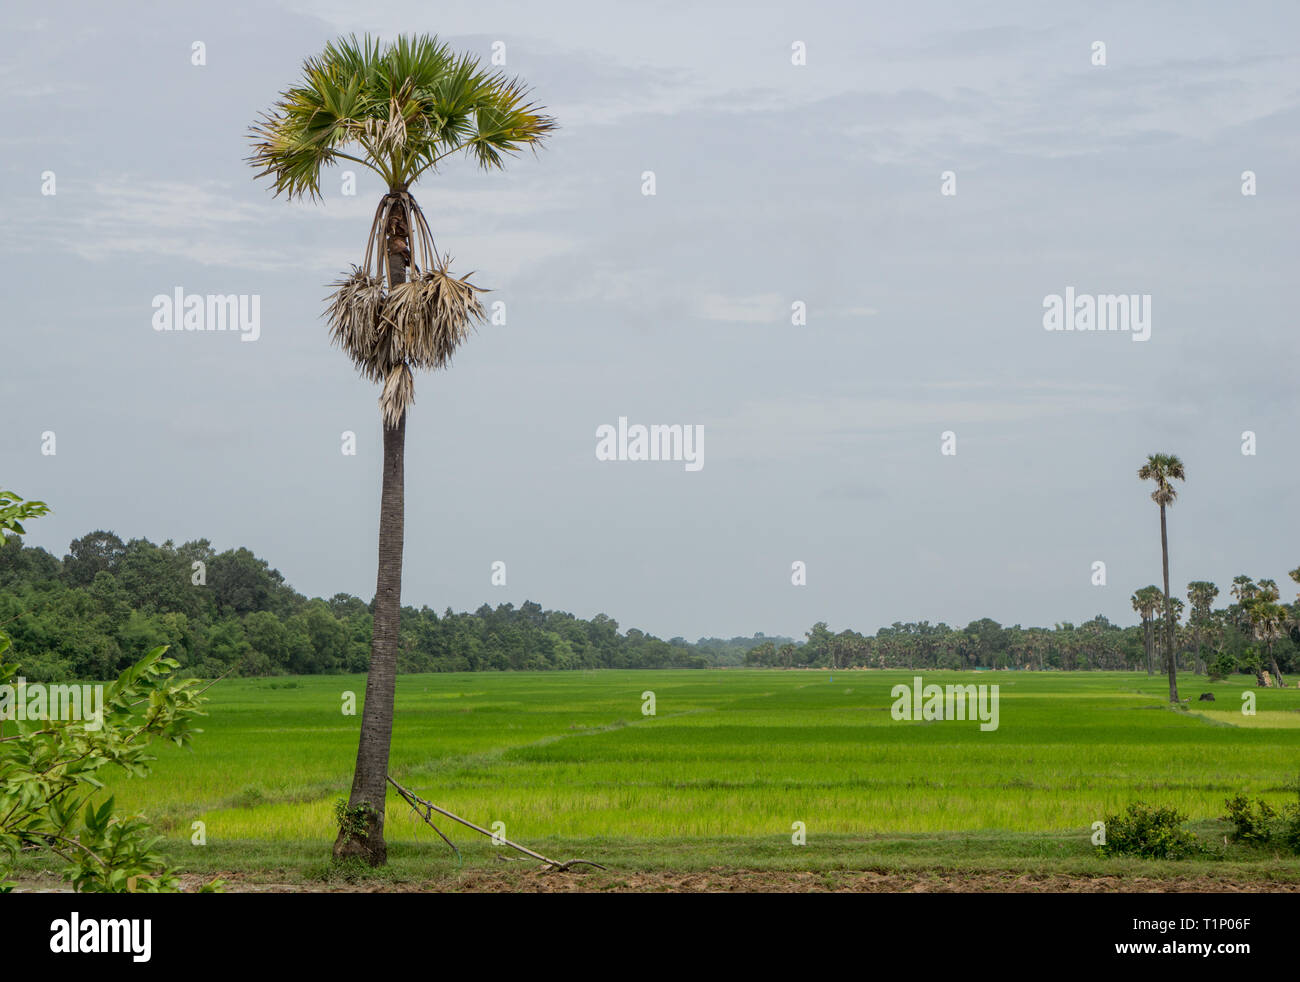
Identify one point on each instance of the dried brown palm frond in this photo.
(388, 329)
(353, 316)
(398, 394)
(385, 134)
(432, 315)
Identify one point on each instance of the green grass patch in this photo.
(718, 777)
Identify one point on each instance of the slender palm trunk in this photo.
(1272, 660)
(1146, 641)
(370, 779)
(1169, 611)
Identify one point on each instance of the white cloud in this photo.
(209, 223)
(759, 428)
(764, 308)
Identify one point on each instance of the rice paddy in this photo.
(728, 755)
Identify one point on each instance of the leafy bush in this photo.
(50, 783)
(46, 667)
(1222, 667)
(50, 768)
(1250, 661)
(1252, 822)
(1257, 823)
(1291, 826)
(1150, 832)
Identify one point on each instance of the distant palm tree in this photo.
(400, 110)
(1243, 591)
(1136, 601)
(1295, 608)
(1180, 638)
(1269, 620)
(1042, 643)
(1164, 468)
(1146, 602)
(1243, 588)
(1201, 593)
(1067, 644)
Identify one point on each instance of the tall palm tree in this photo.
(1136, 601)
(399, 110)
(1243, 588)
(1269, 619)
(1294, 623)
(1146, 602)
(1243, 591)
(1201, 593)
(1164, 468)
(1176, 630)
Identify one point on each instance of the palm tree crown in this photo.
(399, 111)
(405, 107)
(1162, 468)
(1147, 600)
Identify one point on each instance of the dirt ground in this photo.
(752, 881)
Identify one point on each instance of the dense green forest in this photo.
(106, 602)
(98, 608)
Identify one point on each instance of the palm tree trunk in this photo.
(1169, 611)
(1146, 642)
(370, 779)
(1272, 660)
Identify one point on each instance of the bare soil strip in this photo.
(759, 881)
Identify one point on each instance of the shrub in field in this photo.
(1249, 661)
(1222, 667)
(1291, 826)
(1257, 823)
(1252, 822)
(1150, 832)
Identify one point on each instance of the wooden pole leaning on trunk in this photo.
(424, 808)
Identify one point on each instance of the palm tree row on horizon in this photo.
(1258, 604)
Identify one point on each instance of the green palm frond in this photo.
(1163, 468)
(398, 110)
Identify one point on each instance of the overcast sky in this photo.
(775, 183)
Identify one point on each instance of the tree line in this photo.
(1255, 633)
(93, 612)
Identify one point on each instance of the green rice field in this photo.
(731, 756)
